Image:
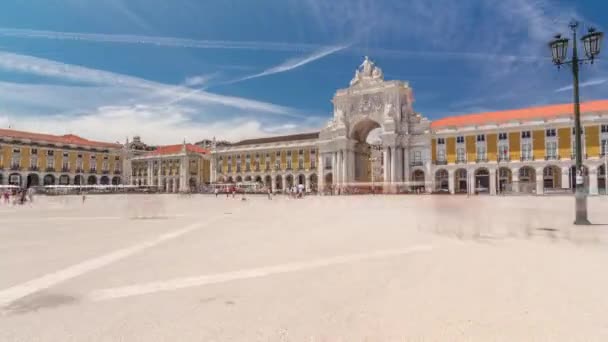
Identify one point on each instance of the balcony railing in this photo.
(33, 168)
(65, 169)
(313, 167)
(79, 170)
(481, 160)
(504, 159)
(105, 172)
(416, 163)
(50, 169)
(461, 161)
(526, 158)
(94, 170)
(441, 162)
(554, 157)
(15, 167)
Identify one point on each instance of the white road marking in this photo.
(181, 283)
(19, 291)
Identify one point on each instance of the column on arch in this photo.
(334, 167)
(320, 172)
(387, 164)
(593, 189)
(396, 162)
(515, 180)
(540, 188)
(451, 176)
(471, 182)
(493, 181)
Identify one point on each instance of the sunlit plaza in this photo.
(321, 268)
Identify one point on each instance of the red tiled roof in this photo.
(67, 139)
(174, 149)
(531, 113)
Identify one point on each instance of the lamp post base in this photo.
(581, 209)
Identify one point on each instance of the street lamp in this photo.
(559, 51)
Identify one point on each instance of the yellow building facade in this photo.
(33, 159)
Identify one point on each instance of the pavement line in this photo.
(181, 283)
(19, 291)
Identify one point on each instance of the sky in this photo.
(236, 69)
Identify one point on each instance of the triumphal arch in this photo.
(368, 103)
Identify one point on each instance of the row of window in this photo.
(65, 165)
(277, 165)
(34, 152)
(277, 154)
(550, 132)
(551, 152)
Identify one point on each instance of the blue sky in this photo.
(193, 69)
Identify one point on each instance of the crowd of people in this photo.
(18, 196)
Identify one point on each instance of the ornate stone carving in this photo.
(367, 72)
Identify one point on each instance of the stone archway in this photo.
(278, 182)
(239, 179)
(115, 180)
(92, 180)
(371, 103)
(258, 179)
(64, 180)
(192, 184)
(33, 180)
(482, 180)
(417, 179)
(552, 178)
(48, 180)
(527, 179)
(505, 180)
(78, 180)
(461, 183)
(288, 181)
(248, 179)
(313, 182)
(14, 179)
(268, 181)
(104, 180)
(442, 181)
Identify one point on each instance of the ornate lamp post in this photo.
(559, 51)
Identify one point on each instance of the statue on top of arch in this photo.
(367, 71)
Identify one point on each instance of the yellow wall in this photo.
(6, 156)
(58, 160)
(514, 145)
(433, 150)
(25, 157)
(86, 158)
(307, 158)
(450, 149)
(563, 148)
(491, 142)
(470, 147)
(72, 158)
(283, 160)
(592, 141)
(538, 144)
(294, 159)
(42, 159)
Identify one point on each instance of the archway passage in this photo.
(258, 179)
(192, 184)
(78, 180)
(328, 179)
(278, 183)
(601, 179)
(460, 181)
(482, 180)
(115, 180)
(239, 179)
(288, 181)
(33, 180)
(365, 133)
(505, 180)
(248, 179)
(313, 182)
(49, 180)
(92, 180)
(14, 179)
(527, 180)
(442, 181)
(302, 179)
(268, 181)
(552, 179)
(64, 180)
(418, 181)
(104, 180)
(230, 180)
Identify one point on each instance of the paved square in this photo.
(378, 268)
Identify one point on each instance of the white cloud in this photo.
(589, 83)
(155, 124)
(44, 67)
(157, 41)
(198, 80)
(294, 63)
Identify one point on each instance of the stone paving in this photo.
(358, 268)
